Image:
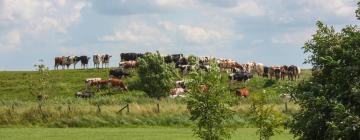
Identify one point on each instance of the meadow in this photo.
(145, 133)
(20, 109)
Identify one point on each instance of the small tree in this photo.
(156, 77)
(40, 83)
(210, 104)
(265, 117)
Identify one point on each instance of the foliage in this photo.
(265, 117)
(210, 108)
(192, 59)
(358, 10)
(330, 100)
(42, 84)
(156, 77)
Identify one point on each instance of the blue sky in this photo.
(267, 31)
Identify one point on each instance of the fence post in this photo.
(128, 108)
(286, 106)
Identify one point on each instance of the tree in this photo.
(330, 99)
(210, 104)
(156, 77)
(40, 85)
(358, 11)
(265, 117)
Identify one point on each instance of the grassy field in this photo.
(62, 109)
(149, 133)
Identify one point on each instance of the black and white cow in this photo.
(118, 73)
(105, 59)
(241, 76)
(71, 60)
(96, 60)
(130, 56)
(84, 61)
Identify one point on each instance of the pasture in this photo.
(62, 109)
(144, 133)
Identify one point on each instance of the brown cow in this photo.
(59, 61)
(244, 92)
(129, 64)
(114, 82)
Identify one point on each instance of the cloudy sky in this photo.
(267, 31)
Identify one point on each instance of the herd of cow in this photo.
(236, 71)
(66, 61)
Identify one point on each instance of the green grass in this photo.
(19, 108)
(147, 133)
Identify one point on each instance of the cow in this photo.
(101, 83)
(185, 69)
(114, 82)
(241, 76)
(84, 94)
(71, 60)
(59, 61)
(283, 72)
(167, 59)
(259, 69)
(84, 61)
(266, 71)
(293, 72)
(227, 64)
(242, 92)
(96, 60)
(118, 73)
(129, 64)
(130, 56)
(274, 71)
(177, 92)
(180, 84)
(91, 82)
(105, 59)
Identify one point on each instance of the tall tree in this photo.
(209, 104)
(330, 100)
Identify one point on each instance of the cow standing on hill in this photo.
(59, 61)
(293, 72)
(105, 59)
(243, 92)
(71, 60)
(96, 60)
(84, 61)
(274, 71)
(283, 72)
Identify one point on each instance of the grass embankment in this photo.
(149, 133)
(62, 109)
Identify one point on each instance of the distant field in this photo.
(157, 133)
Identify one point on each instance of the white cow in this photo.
(89, 81)
(96, 60)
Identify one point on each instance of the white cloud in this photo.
(247, 8)
(202, 35)
(293, 38)
(343, 8)
(10, 41)
(137, 32)
(36, 17)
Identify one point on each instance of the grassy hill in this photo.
(65, 83)
(19, 108)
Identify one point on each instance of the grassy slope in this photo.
(67, 82)
(157, 133)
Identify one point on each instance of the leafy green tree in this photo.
(265, 117)
(210, 104)
(156, 77)
(358, 11)
(330, 99)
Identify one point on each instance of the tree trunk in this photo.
(99, 109)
